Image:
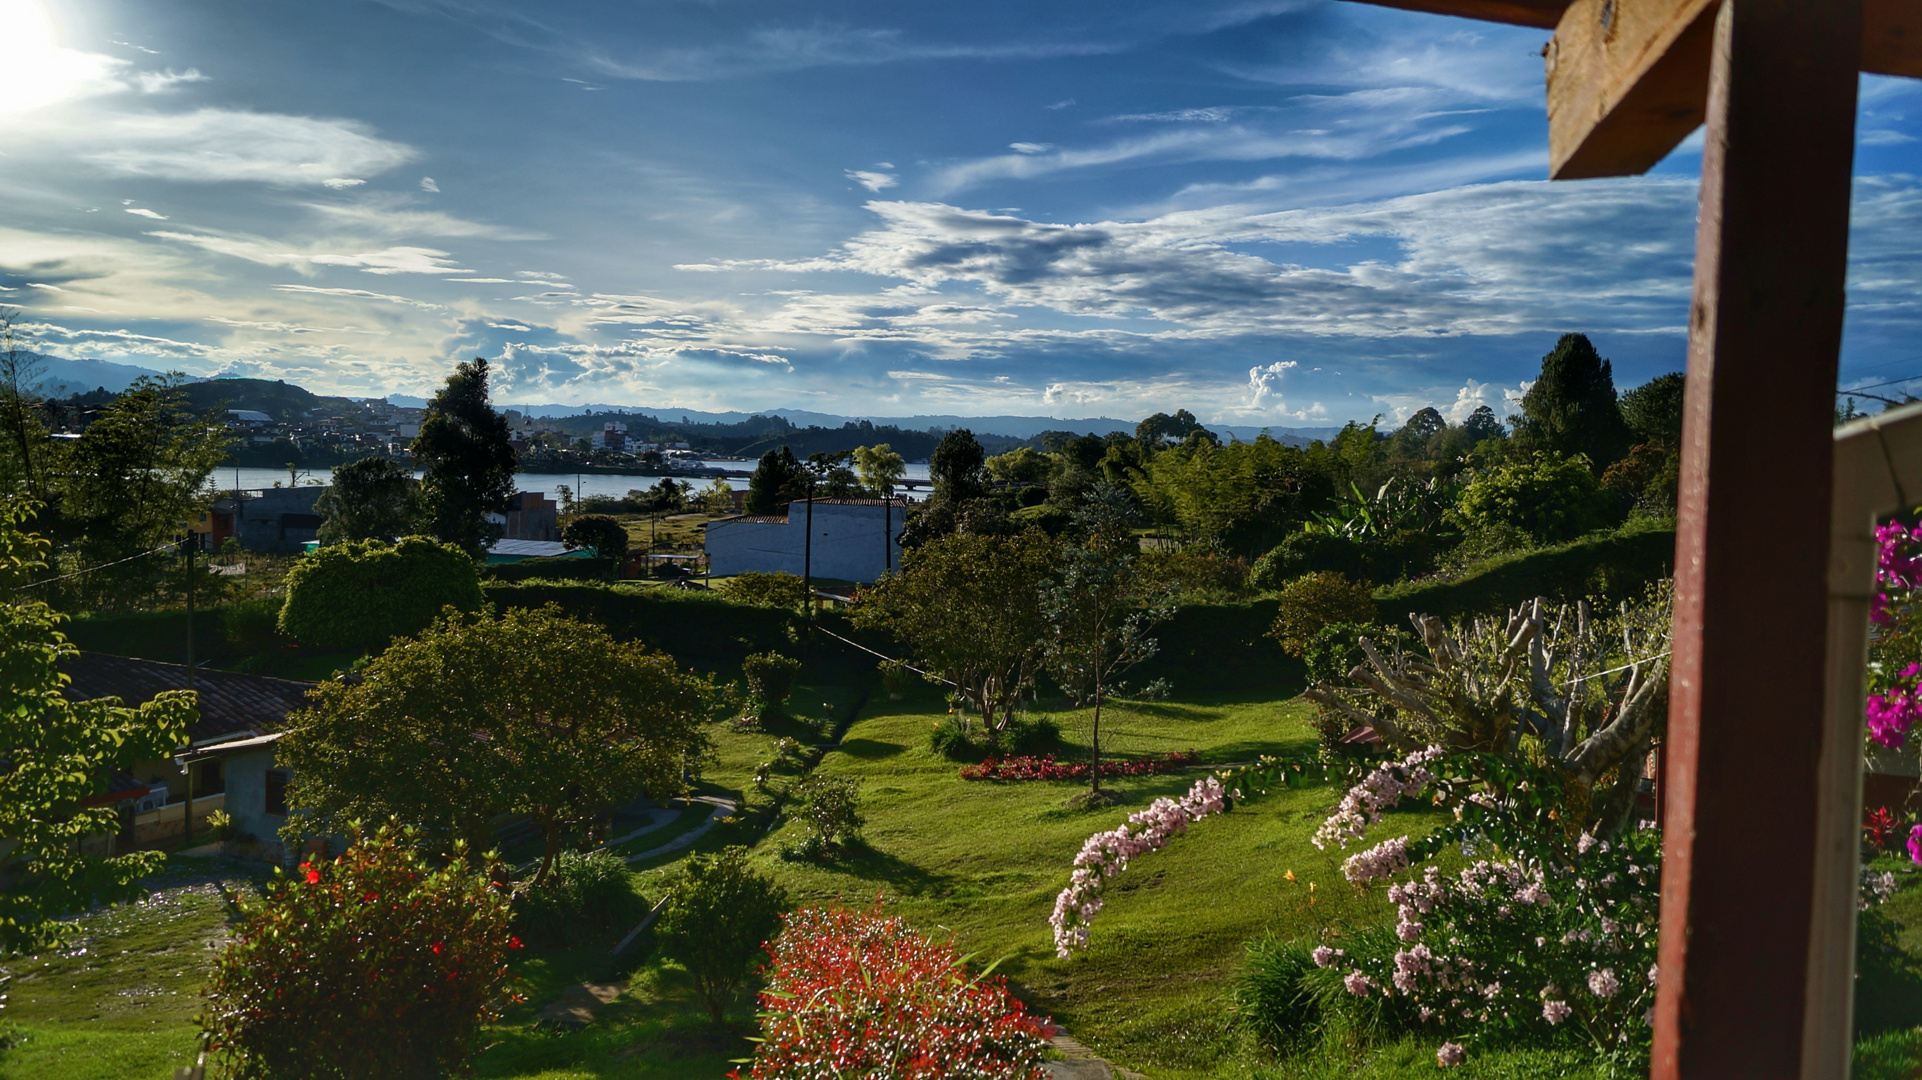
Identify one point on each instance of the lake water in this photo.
(586, 484)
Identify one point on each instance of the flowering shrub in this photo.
(1894, 703)
(1505, 947)
(1105, 855)
(721, 913)
(1046, 767)
(857, 995)
(376, 965)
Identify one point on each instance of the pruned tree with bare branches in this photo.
(1580, 692)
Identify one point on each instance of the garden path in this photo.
(1082, 1064)
(722, 808)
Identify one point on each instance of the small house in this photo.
(852, 540)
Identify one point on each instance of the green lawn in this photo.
(980, 861)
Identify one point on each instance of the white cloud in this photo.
(341, 183)
(155, 82)
(1264, 385)
(1181, 116)
(145, 213)
(873, 181)
(1885, 137)
(357, 294)
(427, 184)
(214, 145)
(394, 260)
(1030, 147)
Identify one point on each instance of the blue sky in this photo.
(1284, 212)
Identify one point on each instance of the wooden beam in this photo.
(1627, 80)
(1746, 698)
(1892, 37)
(1539, 13)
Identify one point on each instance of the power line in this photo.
(91, 569)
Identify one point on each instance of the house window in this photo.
(278, 781)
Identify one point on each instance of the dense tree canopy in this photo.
(1572, 409)
(880, 468)
(604, 534)
(58, 753)
(528, 713)
(470, 466)
(1548, 496)
(958, 466)
(374, 498)
(778, 480)
(967, 607)
(362, 595)
(1653, 410)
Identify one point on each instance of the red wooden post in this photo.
(1746, 702)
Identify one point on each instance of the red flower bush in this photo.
(857, 995)
(1047, 768)
(378, 965)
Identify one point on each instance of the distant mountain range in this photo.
(61, 376)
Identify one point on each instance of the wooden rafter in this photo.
(1628, 79)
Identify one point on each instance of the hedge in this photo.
(560, 568)
(698, 628)
(1611, 566)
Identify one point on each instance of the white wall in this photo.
(848, 543)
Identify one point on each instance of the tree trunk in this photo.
(1094, 769)
(551, 844)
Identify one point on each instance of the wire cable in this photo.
(91, 569)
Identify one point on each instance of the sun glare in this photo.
(36, 70)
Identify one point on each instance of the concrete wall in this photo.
(848, 542)
(246, 775)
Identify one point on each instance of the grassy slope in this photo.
(981, 861)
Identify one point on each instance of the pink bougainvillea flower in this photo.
(1915, 845)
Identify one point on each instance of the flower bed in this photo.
(1047, 768)
(853, 994)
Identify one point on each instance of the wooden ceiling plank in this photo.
(1892, 37)
(1627, 81)
(1538, 13)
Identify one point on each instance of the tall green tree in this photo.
(833, 479)
(58, 753)
(778, 479)
(880, 468)
(719, 916)
(967, 606)
(958, 466)
(470, 466)
(1161, 429)
(20, 421)
(529, 713)
(606, 535)
(1098, 611)
(132, 482)
(1572, 408)
(1653, 410)
(374, 498)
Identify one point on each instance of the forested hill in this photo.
(757, 435)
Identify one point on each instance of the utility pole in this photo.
(807, 554)
(191, 544)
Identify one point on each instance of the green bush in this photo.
(1306, 553)
(363, 595)
(951, 739)
(1549, 497)
(1313, 601)
(770, 678)
(1294, 1008)
(606, 536)
(767, 590)
(584, 893)
(1029, 736)
(377, 965)
(1195, 574)
(558, 568)
(830, 807)
(253, 622)
(1611, 566)
(703, 629)
(721, 913)
(895, 678)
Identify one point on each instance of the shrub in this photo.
(1313, 601)
(605, 535)
(1195, 574)
(855, 994)
(770, 676)
(1274, 998)
(895, 678)
(830, 807)
(1550, 497)
(376, 965)
(220, 826)
(721, 913)
(1335, 649)
(952, 739)
(252, 623)
(766, 590)
(363, 595)
(1029, 735)
(1306, 553)
(583, 894)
